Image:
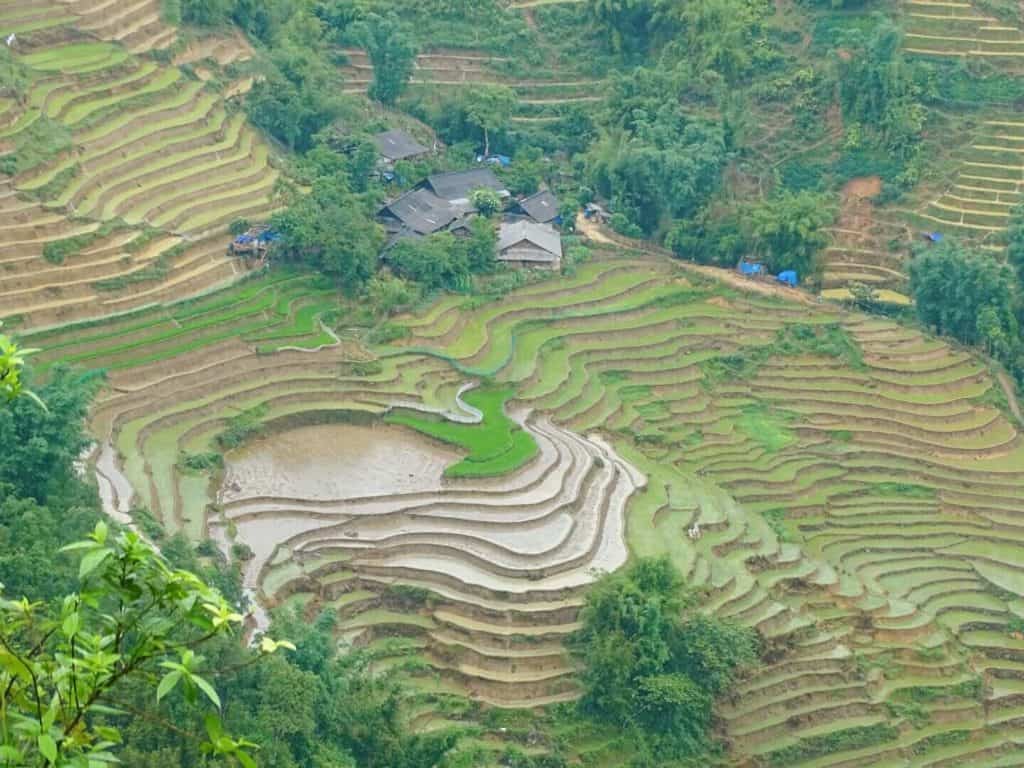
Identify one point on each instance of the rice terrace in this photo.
(436, 336)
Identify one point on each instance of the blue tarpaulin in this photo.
(788, 277)
(747, 268)
(935, 237)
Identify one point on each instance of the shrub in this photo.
(238, 227)
(240, 428)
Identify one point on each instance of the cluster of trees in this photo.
(653, 160)
(654, 666)
(973, 297)
(882, 97)
(708, 35)
(443, 261)
(786, 231)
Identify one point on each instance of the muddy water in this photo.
(336, 461)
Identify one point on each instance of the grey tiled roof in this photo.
(542, 207)
(398, 145)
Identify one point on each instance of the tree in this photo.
(788, 231)
(489, 107)
(969, 296)
(392, 54)
(435, 262)
(331, 230)
(486, 201)
(1015, 242)
(134, 617)
(718, 34)
(206, 13)
(879, 92)
(652, 666)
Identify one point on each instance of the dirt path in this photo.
(599, 234)
(1011, 394)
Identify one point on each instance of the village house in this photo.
(542, 207)
(416, 213)
(529, 244)
(457, 186)
(397, 145)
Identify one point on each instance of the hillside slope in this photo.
(125, 170)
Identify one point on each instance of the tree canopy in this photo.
(653, 664)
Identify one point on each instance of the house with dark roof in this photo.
(542, 207)
(398, 145)
(457, 186)
(529, 244)
(418, 212)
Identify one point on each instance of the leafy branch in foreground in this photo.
(12, 361)
(135, 617)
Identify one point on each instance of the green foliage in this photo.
(879, 91)
(776, 519)
(299, 93)
(495, 446)
(134, 617)
(489, 108)
(207, 461)
(651, 667)
(41, 444)
(910, 490)
(789, 231)
(444, 262)
(332, 229)
(40, 141)
(12, 363)
(241, 427)
(654, 159)
(14, 77)
(392, 54)
(56, 251)
(943, 739)
(486, 201)
(967, 295)
(238, 227)
(206, 13)
(830, 743)
(765, 427)
(794, 339)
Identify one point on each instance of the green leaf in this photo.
(214, 728)
(9, 754)
(100, 533)
(14, 666)
(48, 747)
(92, 560)
(206, 688)
(170, 680)
(245, 760)
(71, 624)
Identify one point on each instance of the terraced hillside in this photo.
(962, 29)
(987, 185)
(855, 483)
(125, 172)
(540, 97)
